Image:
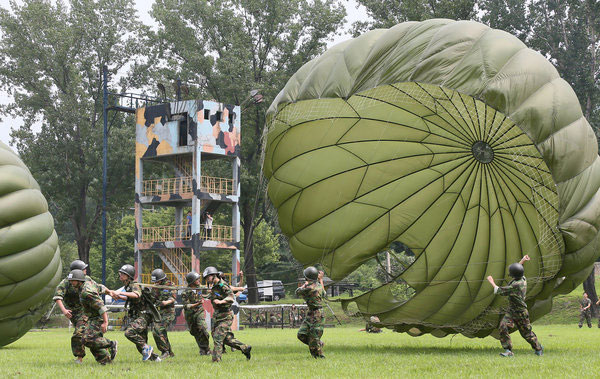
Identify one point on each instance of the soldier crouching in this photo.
(221, 297)
(194, 312)
(103, 349)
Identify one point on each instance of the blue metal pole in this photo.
(104, 153)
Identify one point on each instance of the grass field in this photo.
(569, 352)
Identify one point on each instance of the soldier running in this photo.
(103, 349)
(139, 313)
(165, 303)
(221, 297)
(66, 297)
(311, 330)
(586, 311)
(194, 312)
(517, 314)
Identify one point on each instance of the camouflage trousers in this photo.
(197, 327)
(79, 322)
(93, 338)
(311, 331)
(520, 319)
(159, 332)
(137, 332)
(588, 318)
(222, 335)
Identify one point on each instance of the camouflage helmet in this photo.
(128, 270)
(78, 265)
(158, 275)
(516, 270)
(210, 270)
(311, 273)
(77, 275)
(191, 277)
(374, 320)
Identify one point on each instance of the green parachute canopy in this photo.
(30, 265)
(453, 139)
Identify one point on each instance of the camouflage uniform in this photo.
(293, 317)
(311, 330)
(222, 321)
(369, 328)
(69, 295)
(93, 307)
(587, 314)
(517, 314)
(167, 315)
(140, 319)
(194, 317)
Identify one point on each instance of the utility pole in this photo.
(104, 152)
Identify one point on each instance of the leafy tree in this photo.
(232, 47)
(51, 59)
(387, 13)
(567, 32)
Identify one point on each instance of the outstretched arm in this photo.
(525, 259)
(491, 280)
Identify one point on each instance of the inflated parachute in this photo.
(453, 139)
(30, 265)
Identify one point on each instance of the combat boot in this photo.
(540, 352)
(247, 352)
(113, 350)
(507, 354)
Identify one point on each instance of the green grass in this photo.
(276, 353)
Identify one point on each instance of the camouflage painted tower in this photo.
(177, 145)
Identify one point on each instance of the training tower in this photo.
(175, 143)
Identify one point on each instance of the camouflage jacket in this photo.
(584, 303)
(516, 291)
(161, 295)
(313, 294)
(192, 295)
(135, 307)
(221, 291)
(89, 297)
(69, 296)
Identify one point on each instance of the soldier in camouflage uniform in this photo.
(311, 330)
(586, 311)
(165, 303)
(139, 313)
(103, 349)
(370, 327)
(517, 314)
(194, 312)
(66, 297)
(221, 297)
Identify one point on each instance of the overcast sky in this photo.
(353, 14)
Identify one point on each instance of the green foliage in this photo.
(234, 46)
(68, 253)
(51, 58)
(387, 13)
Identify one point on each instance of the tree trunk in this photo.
(83, 249)
(590, 288)
(250, 271)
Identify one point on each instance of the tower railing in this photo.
(167, 186)
(183, 184)
(222, 186)
(183, 232)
